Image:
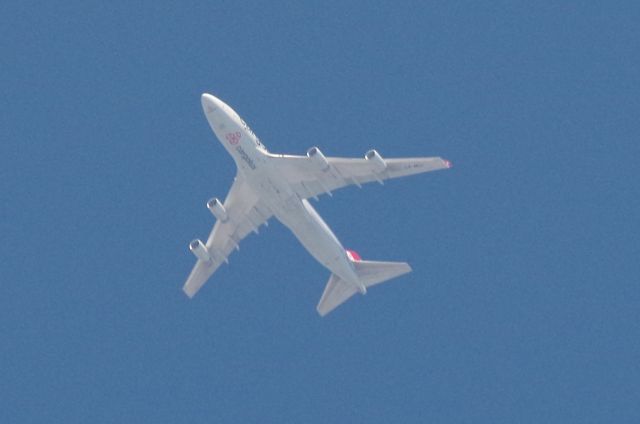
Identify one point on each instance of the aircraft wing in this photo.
(245, 214)
(310, 178)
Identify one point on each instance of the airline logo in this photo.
(233, 138)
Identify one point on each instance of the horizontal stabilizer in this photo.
(370, 273)
(335, 294)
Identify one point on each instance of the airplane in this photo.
(270, 185)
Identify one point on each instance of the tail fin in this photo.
(370, 273)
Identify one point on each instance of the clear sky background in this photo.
(523, 304)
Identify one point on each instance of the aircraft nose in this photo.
(210, 103)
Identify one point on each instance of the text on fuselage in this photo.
(245, 157)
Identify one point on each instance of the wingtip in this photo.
(189, 293)
(447, 163)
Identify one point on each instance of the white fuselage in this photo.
(297, 214)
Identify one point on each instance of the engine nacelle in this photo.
(317, 158)
(378, 164)
(198, 248)
(217, 209)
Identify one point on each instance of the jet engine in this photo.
(317, 158)
(378, 164)
(217, 209)
(200, 250)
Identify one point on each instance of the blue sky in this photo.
(523, 304)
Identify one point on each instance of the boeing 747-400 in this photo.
(273, 185)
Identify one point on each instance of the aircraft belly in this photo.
(314, 234)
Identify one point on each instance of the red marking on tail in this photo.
(353, 255)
